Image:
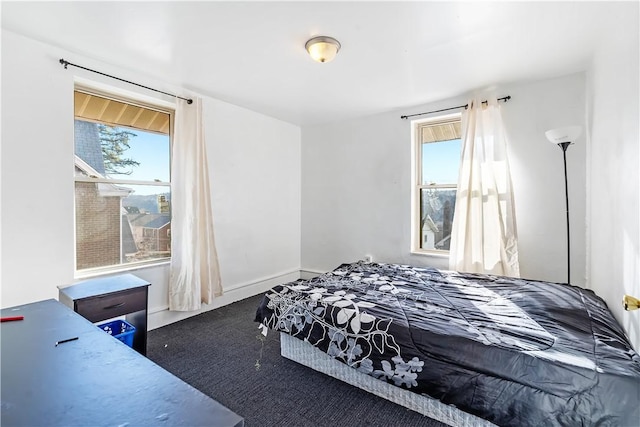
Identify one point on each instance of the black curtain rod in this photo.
(66, 63)
(465, 106)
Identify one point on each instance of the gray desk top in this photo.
(94, 380)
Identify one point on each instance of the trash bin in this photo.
(120, 329)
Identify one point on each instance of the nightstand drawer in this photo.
(112, 305)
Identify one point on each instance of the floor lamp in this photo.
(564, 137)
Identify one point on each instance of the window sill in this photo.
(104, 271)
(432, 254)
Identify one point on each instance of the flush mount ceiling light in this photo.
(323, 48)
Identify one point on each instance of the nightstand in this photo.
(105, 298)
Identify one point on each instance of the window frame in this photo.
(119, 95)
(418, 186)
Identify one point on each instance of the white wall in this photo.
(614, 161)
(538, 177)
(254, 165)
(356, 184)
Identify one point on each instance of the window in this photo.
(122, 182)
(436, 158)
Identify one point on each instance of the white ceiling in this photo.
(394, 54)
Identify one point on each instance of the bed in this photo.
(466, 349)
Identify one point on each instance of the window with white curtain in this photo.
(122, 159)
(436, 146)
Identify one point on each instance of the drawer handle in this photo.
(114, 306)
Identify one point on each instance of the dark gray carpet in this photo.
(216, 352)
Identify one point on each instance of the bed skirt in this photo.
(308, 355)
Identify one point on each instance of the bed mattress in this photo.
(510, 351)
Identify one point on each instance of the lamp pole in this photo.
(563, 137)
(564, 146)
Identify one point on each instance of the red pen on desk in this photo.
(11, 319)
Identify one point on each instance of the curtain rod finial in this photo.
(189, 101)
(63, 62)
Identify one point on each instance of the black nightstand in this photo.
(108, 297)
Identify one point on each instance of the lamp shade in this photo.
(565, 134)
(323, 48)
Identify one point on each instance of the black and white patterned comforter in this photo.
(512, 351)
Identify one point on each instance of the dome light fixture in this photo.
(322, 48)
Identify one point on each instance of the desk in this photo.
(108, 297)
(92, 381)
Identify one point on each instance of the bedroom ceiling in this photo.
(394, 55)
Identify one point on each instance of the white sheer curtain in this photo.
(483, 235)
(194, 273)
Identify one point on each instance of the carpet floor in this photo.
(220, 353)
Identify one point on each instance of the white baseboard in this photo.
(161, 316)
(310, 274)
